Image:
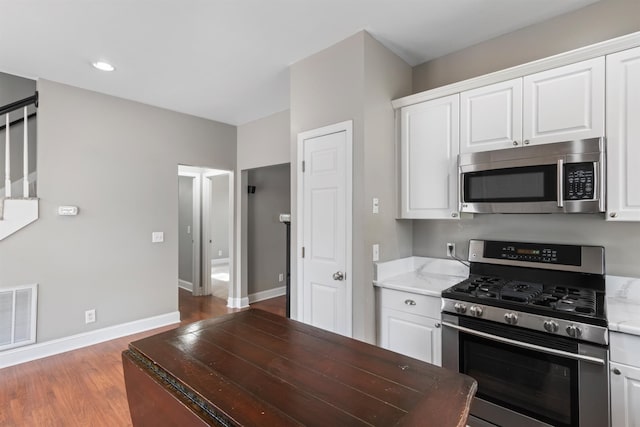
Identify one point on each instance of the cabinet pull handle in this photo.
(437, 325)
(409, 302)
(616, 371)
(526, 142)
(613, 214)
(515, 143)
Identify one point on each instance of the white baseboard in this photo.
(269, 293)
(185, 285)
(238, 302)
(219, 261)
(73, 342)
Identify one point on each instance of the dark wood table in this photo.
(253, 368)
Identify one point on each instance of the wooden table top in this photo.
(253, 368)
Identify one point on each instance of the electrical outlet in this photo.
(376, 252)
(280, 277)
(451, 250)
(90, 316)
(220, 253)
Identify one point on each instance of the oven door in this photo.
(527, 378)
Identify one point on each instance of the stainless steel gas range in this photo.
(529, 324)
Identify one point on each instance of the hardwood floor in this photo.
(85, 387)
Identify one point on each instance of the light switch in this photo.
(157, 237)
(376, 205)
(376, 252)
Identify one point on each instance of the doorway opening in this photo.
(205, 207)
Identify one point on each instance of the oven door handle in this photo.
(562, 353)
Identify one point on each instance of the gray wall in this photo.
(266, 235)
(597, 22)
(355, 80)
(116, 160)
(264, 142)
(14, 88)
(185, 228)
(220, 216)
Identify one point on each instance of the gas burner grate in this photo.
(561, 298)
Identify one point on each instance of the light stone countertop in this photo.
(623, 304)
(419, 275)
(430, 276)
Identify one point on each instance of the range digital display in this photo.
(528, 251)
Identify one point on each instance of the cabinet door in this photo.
(623, 135)
(415, 336)
(564, 103)
(429, 138)
(491, 117)
(625, 395)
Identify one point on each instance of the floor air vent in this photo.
(18, 316)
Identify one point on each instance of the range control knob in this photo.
(511, 318)
(550, 326)
(460, 308)
(476, 311)
(573, 331)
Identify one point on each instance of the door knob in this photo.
(338, 275)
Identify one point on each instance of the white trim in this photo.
(187, 286)
(16, 214)
(238, 302)
(73, 342)
(219, 261)
(347, 127)
(268, 294)
(196, 189)
(206, 234)
(581, 54)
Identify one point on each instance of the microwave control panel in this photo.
(579, 181)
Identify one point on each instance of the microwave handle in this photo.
(560, 183)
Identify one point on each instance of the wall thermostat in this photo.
(67, 210)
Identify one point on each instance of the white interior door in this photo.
(324, 229)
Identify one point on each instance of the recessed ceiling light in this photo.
(103, 66)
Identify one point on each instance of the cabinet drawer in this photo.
(624, 348)
(407, 302)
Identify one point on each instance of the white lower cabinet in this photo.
(625, 395)
(625, 379)
(410, 324)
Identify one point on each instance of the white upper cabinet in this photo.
(564, 103)
(556, 105)
(623, 135)
(491, 117)
(429, 145)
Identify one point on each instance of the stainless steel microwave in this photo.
(563, 177)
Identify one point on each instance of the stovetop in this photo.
(552, 300)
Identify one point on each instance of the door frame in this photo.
(207, 207)
(196, 277)
(347, 127)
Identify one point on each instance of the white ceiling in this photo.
(228, 60)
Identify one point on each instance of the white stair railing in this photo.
(7, 158)
(25, 156)
(7, 110)
(17, 212)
